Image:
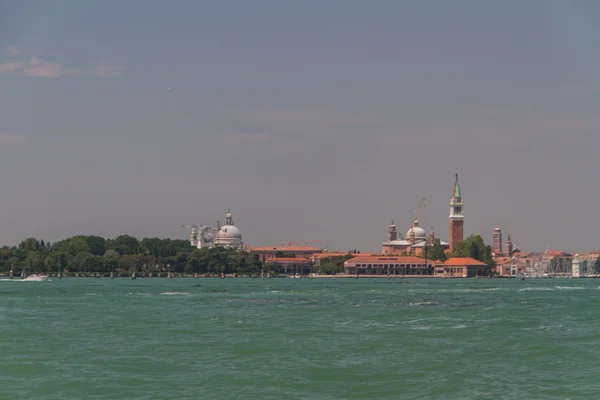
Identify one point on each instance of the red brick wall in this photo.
(456, 233)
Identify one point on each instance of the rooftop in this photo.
(462, 261)
(287, 248)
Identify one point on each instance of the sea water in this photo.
(86, 338)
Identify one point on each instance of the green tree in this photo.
(475, 247)
(34, 261)
(597, 264)
(73, 246)
(96, 245)
(29, 244)
(332, 265)
(56, 261)
(124, 244)
(435, 252)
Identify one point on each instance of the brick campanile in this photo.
(457, 219)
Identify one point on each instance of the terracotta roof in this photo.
(462, 261)
(556, 253)
(590, 253)
(525, 254)
(286, 248)
(332, 254)
(510, 261)
(388, 259)
(288, 260)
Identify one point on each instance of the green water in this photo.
(300, 339)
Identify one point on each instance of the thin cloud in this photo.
(250, 137)
(13, 139)
(302, 117)
(566, 124)
(47, 69)
(13, 50)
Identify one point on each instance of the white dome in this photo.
(229, 232)
(417, 230)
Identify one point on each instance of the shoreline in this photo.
(340, 276)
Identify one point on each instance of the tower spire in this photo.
(456, 192)
(456, 216)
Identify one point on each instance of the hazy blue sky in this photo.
(312, 120)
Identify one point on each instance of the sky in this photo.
(315, 121)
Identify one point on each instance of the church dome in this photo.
(229, 235)
(417, 231)
(229, 232)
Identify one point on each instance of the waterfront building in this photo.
(291, 265)
(465, 267)
(267, 253)
(318, 257)
(392, 265)
(584, 264)
(229, 235)
(510, 267)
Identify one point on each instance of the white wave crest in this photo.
(174, 293)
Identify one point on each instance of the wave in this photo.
(424, 303)
(536, 289)
(569, 287)
(174, 293)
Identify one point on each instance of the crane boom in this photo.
(421, 204)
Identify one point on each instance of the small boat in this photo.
(36, 278)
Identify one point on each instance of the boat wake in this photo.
(174, 293)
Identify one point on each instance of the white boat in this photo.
(35, 278)
(295, 276)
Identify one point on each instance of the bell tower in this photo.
(392, 232)
(456, 217)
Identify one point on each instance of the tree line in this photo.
(123, 254)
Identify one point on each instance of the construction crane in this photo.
(305, 243)
(421, 205)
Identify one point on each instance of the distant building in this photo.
(497, 241)
(509, 249)
(464, 267)
(510, 267)
(266, 253)
(292, 265)
(318, 257)
(584, 264)
(457, 218)
(229, 235)
(392, 265)
(414, 243)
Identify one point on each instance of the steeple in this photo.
(456, 216)
(509, 246)
(392, 232)
(456, 191)
(228, 218)
(456, 203)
